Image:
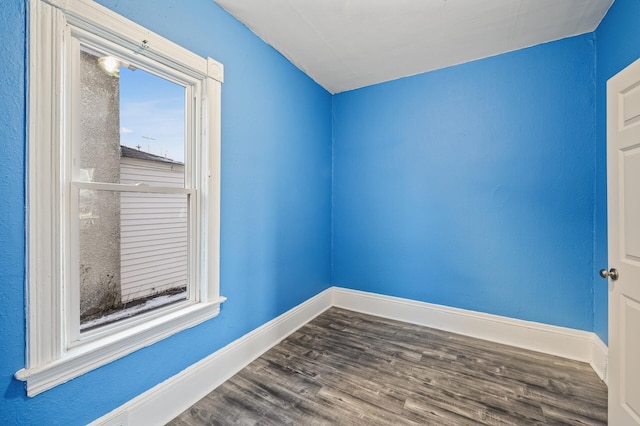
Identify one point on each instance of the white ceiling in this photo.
(347, 44)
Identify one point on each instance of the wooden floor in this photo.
(347, 368)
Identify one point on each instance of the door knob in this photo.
(611, 273)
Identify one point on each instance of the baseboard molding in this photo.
(168, 399)
(600, 359)
(560, 341)
(165, 401)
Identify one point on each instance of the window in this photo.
(124, 183)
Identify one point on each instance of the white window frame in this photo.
(56, 351)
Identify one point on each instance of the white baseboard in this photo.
(168, 399)
(560, 341)
(600, 359)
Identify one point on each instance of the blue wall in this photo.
(276, 203)
(12, 232)
(618, 45)
(472, 186)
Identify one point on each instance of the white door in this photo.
(623, 176)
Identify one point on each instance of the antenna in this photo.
(149, 138)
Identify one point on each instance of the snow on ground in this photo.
(137, 309)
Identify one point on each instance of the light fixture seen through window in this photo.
(110, 65)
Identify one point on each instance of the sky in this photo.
(152, 112)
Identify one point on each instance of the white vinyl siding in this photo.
(153, 173)
(154, 230)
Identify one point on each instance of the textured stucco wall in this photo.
(99, 153)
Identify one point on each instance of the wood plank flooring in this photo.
(347, 368)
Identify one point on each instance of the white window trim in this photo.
(50, 359)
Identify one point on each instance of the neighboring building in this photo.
(99, 233)
(153, 227)
(132, 245)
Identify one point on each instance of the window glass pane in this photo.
(133, 253)
(129, 118)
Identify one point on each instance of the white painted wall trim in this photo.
(168, 399)
(600, 358)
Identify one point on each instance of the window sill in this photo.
(87, 357)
